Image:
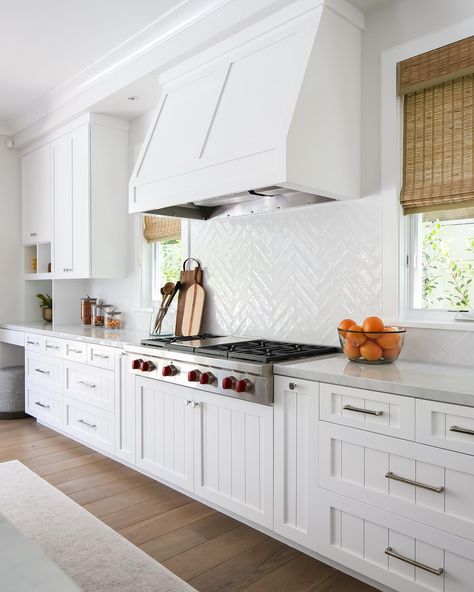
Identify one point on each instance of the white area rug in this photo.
(93, 555)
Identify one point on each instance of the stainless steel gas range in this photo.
(229, 366)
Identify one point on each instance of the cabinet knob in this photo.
(292, 386)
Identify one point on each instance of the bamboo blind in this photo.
(160, 228)
(436, 66)
(438, 166)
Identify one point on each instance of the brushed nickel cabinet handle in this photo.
(460, 430)
(395, 477)
(292, 386)
(74, 351)
(101, 356)
(187, 402)
(360, 410)
(52, 346)
(90, 425)
(32, 342)
(194, 404)
(87, 384)
(432, 570)
(42, 405)
(42, 371)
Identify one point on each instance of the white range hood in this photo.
(267, 119)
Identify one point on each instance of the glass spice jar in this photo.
(98, 313)
(113, 319)
(86, 309)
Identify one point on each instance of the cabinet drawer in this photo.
(44, 371)
(94, 386)
(100, 356)
(370, 410)
(75, 350)
(44, 404)
(361, 537)
(89, 424)
(35, 342)
(419, 482)
(54, 346)
(445, 425)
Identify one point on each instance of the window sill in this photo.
(439, 325)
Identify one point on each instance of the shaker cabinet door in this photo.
(36, 196)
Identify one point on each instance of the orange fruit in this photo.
(372, 325)
(355, 335)
(389, 339)
(371, 351)
(391, 354)
(351, 351)
(345, 324)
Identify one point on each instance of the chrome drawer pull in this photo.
(187, 402)
(52, 346)
(87, 384)
(32, 343)
(90, 425)
(437, 572)
(395, 477)
(103, 356)
(74, 351)
(42, 371)
(460, 430)
(42, 405)
(194, 404)
(360, 410)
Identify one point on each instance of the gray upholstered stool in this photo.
(12, 392)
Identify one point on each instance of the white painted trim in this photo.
(393, 230)
(4, 128)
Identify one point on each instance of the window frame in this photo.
(397, 230)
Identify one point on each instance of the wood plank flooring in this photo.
(210, 550)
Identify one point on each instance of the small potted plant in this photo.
(47, 306)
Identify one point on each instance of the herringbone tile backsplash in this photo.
(291, 275)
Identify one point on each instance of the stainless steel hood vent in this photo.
(265, 120)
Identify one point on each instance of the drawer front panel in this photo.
(90, 385)
(100, 356)
(55, 347)
(44, 404)
(35, 342)
(44, 370)
(420, 482)
(370, 410)
(76, 350)
(445, 425)
(383, 546)
(89, 424)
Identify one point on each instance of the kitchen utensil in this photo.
(193, 310)
(188, 277)
(166, 291)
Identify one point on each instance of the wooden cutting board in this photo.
(193, 310)
(187, 278)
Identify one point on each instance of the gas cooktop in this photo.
(253, 350)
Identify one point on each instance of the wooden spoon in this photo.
(166, 292)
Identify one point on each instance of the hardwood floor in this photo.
(211, 551)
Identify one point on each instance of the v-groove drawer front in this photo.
(44, 404)
(374, 411)
(420, 482)
(90, 385)
(89, 424)
(43, 370)
(394, 551)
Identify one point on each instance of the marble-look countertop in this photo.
(99, 335)
(24, 567)
(438, 382)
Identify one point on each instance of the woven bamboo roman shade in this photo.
(161, 228)
(438, 163)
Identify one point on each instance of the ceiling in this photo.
(367, 5)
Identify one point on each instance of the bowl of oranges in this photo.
(372, 342)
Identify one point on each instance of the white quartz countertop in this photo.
(449, 384)
(99, 335)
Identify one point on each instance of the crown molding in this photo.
(192, 25)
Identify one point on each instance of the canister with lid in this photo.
(86, 309)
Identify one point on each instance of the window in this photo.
(162, 254)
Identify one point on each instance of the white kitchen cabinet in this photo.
(164, 431)
(91, 385)
(125, 408)
(88, 424)
(381, 546)
(296, 461)
(233, 455)
(36, 196)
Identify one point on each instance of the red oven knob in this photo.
(206, 378)
(228, 382)
(136, 364)
(242, 386)
(193, 375)
(147, 366)
(169, 370)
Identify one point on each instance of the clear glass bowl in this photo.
(371, 347)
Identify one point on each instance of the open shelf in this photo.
(38, 261)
